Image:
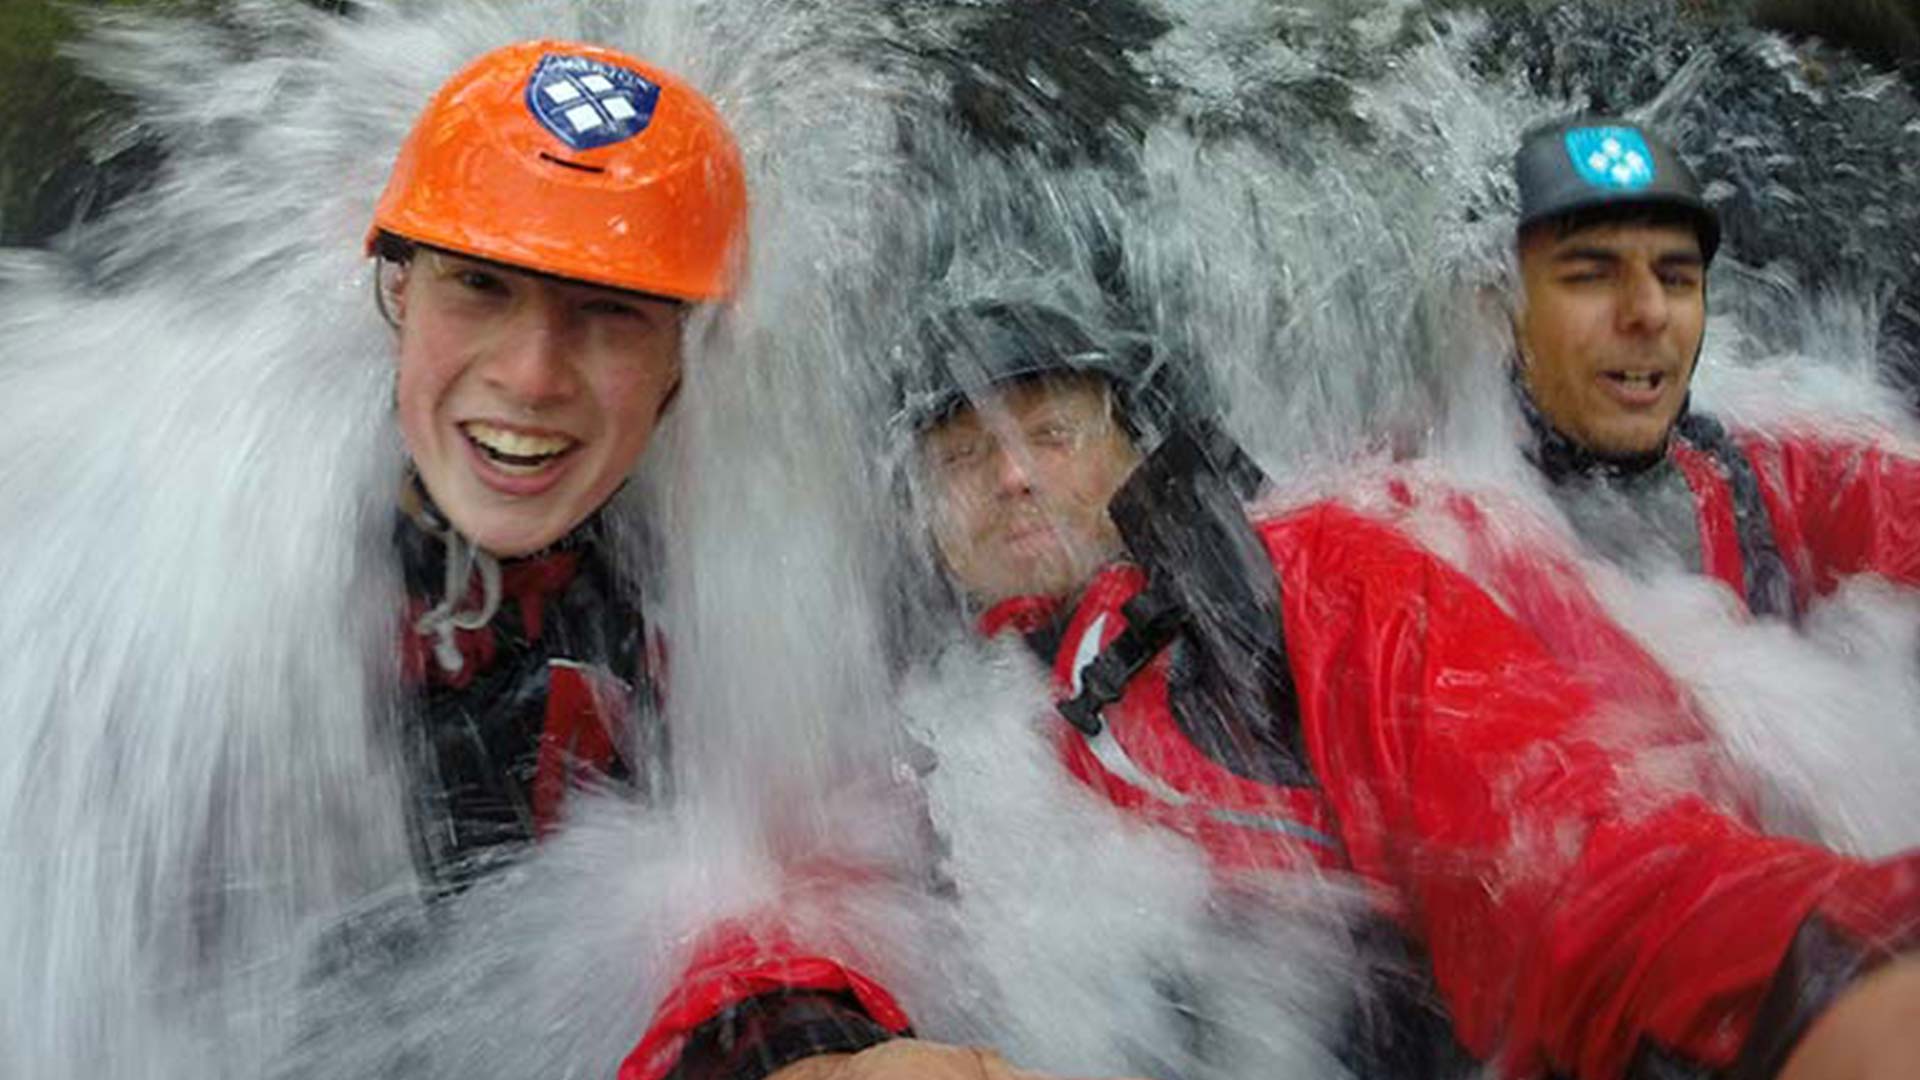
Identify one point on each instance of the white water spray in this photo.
(202, 818)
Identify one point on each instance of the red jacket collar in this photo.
(1021, 614)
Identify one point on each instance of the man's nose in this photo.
(1644, 305)
(531, 362)
(1011, 464)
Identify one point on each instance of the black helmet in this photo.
(1597, 162)
(969, 350)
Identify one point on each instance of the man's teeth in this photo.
(514, 446)
(1638, 379)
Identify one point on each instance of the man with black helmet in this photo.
(1340, 699)
(1079, 408)
(1614, 241)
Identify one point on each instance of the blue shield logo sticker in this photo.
(586, 103)
(1615, 158)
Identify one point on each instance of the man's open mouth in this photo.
(517, 451)
(1638, 380)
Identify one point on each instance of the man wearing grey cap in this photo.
(1614, 242)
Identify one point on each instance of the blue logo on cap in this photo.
(1617, 158)
(587, 103)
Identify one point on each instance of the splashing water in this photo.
(202, 817)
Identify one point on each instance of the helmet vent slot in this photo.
(565, 164)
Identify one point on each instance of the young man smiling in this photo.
(553, 216)
(1614, 242)
(525, 400)
(548, 222)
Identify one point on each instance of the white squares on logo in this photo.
(618, 107)
(583, 117)
(596, 83)
(560, 92)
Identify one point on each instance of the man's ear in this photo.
(673, 395)
(390, 289)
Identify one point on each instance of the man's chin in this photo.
(1629, 440)
(508, 535)
(1018, 578)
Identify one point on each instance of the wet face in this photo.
(1612, 319)
(526, 400)
(1020, 488)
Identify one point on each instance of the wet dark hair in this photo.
(1574, 221)
(1046, 380)
(396, 250)
(390, 247)
(388, 251)
(963, 351)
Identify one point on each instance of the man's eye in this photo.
(1050, 435)
(480, 281)
(1680, 279)
(954, 455)
(612, 308)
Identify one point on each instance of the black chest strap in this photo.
(1154, 619)
(1211, 588)
(1769, 586)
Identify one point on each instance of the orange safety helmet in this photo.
(577, 161)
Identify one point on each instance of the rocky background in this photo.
(1814, 197)
(65, 153)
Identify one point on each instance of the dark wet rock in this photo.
(1811, 138)
(52, 172)
(1054, 79)
(1886, 32)
(1812, 153)
(69, 148)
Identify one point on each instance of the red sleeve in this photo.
(732, 964)
(1840, 507)
(1573, 914)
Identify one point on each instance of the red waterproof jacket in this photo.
(1578, 914)
(1781, 516)
(1836, 507)
(1582, 913)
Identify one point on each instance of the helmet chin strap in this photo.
(440, 623)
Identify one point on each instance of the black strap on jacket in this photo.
(1154, 619)
(1769, 587)
(1212, 588)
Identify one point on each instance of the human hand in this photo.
(907, 1059)
(1871, 1033)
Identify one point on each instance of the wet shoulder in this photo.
(1326, 542)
